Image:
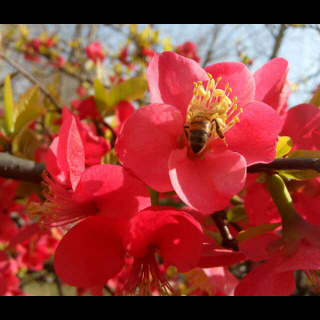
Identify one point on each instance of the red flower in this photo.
(94, 251)
(81, 90)
(272, 86)
(302, 124)
(9, 283)
(95, 52)
(188, 50)
(87, 109)
(58, 62)
(298, 249)
(74, 193)
(154, 146)
(124, 110)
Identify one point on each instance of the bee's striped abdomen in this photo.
(199, 133)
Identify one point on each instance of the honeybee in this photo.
(201, 124)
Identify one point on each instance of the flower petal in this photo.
(116, 192)
(256, 248)
(307, 258)
(263, 281)
(171, 77)
(259, 205)
(3, 287)
(300, 123)
(256, 135)
(71, 151)
(271, 87)
(212, 257)
(239, 78)
(178, 236)
(53, 165)
(146, 141)
(91, 253)
(208, 184)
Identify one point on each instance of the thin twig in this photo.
(32, 79)
(278, 40)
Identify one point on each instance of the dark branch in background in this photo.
(32, 79)
(93, 32)
(77, 36)
(287, 164)
(278, 40)
(221, 221)
(214, 37)
(12, 167)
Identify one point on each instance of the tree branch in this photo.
(221, 221)
(278, 40)
(287, 164)
(12, 167)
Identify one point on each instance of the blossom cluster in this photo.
(133, 204)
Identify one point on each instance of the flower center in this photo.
(146, 277)
(211, 113)
(59, 208)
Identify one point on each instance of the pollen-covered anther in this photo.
(224, 108)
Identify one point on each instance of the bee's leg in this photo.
(186, 131)
(219, 132)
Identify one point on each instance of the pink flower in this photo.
(124, 110)
(272, 86)
(95, 52)
(74, 193)
(87, 108)
(95, 147)
(58, 62)
(188, 50)
(81, 91)
(94, 251)
(9, 282)
(302, 124)
(153, 142)
(299, 249)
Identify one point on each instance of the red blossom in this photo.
(272, 86)
(95, 52)
(188, 50)
(94, 251)
(156, 151)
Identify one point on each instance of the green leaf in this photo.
(316, 98)
(25, 144)
(24, 101)
(302, 175)
(129, 90)
(284, 146)
(237, 214)
(100, 95)
(256, 231)
(31, 112)
(8, 106)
